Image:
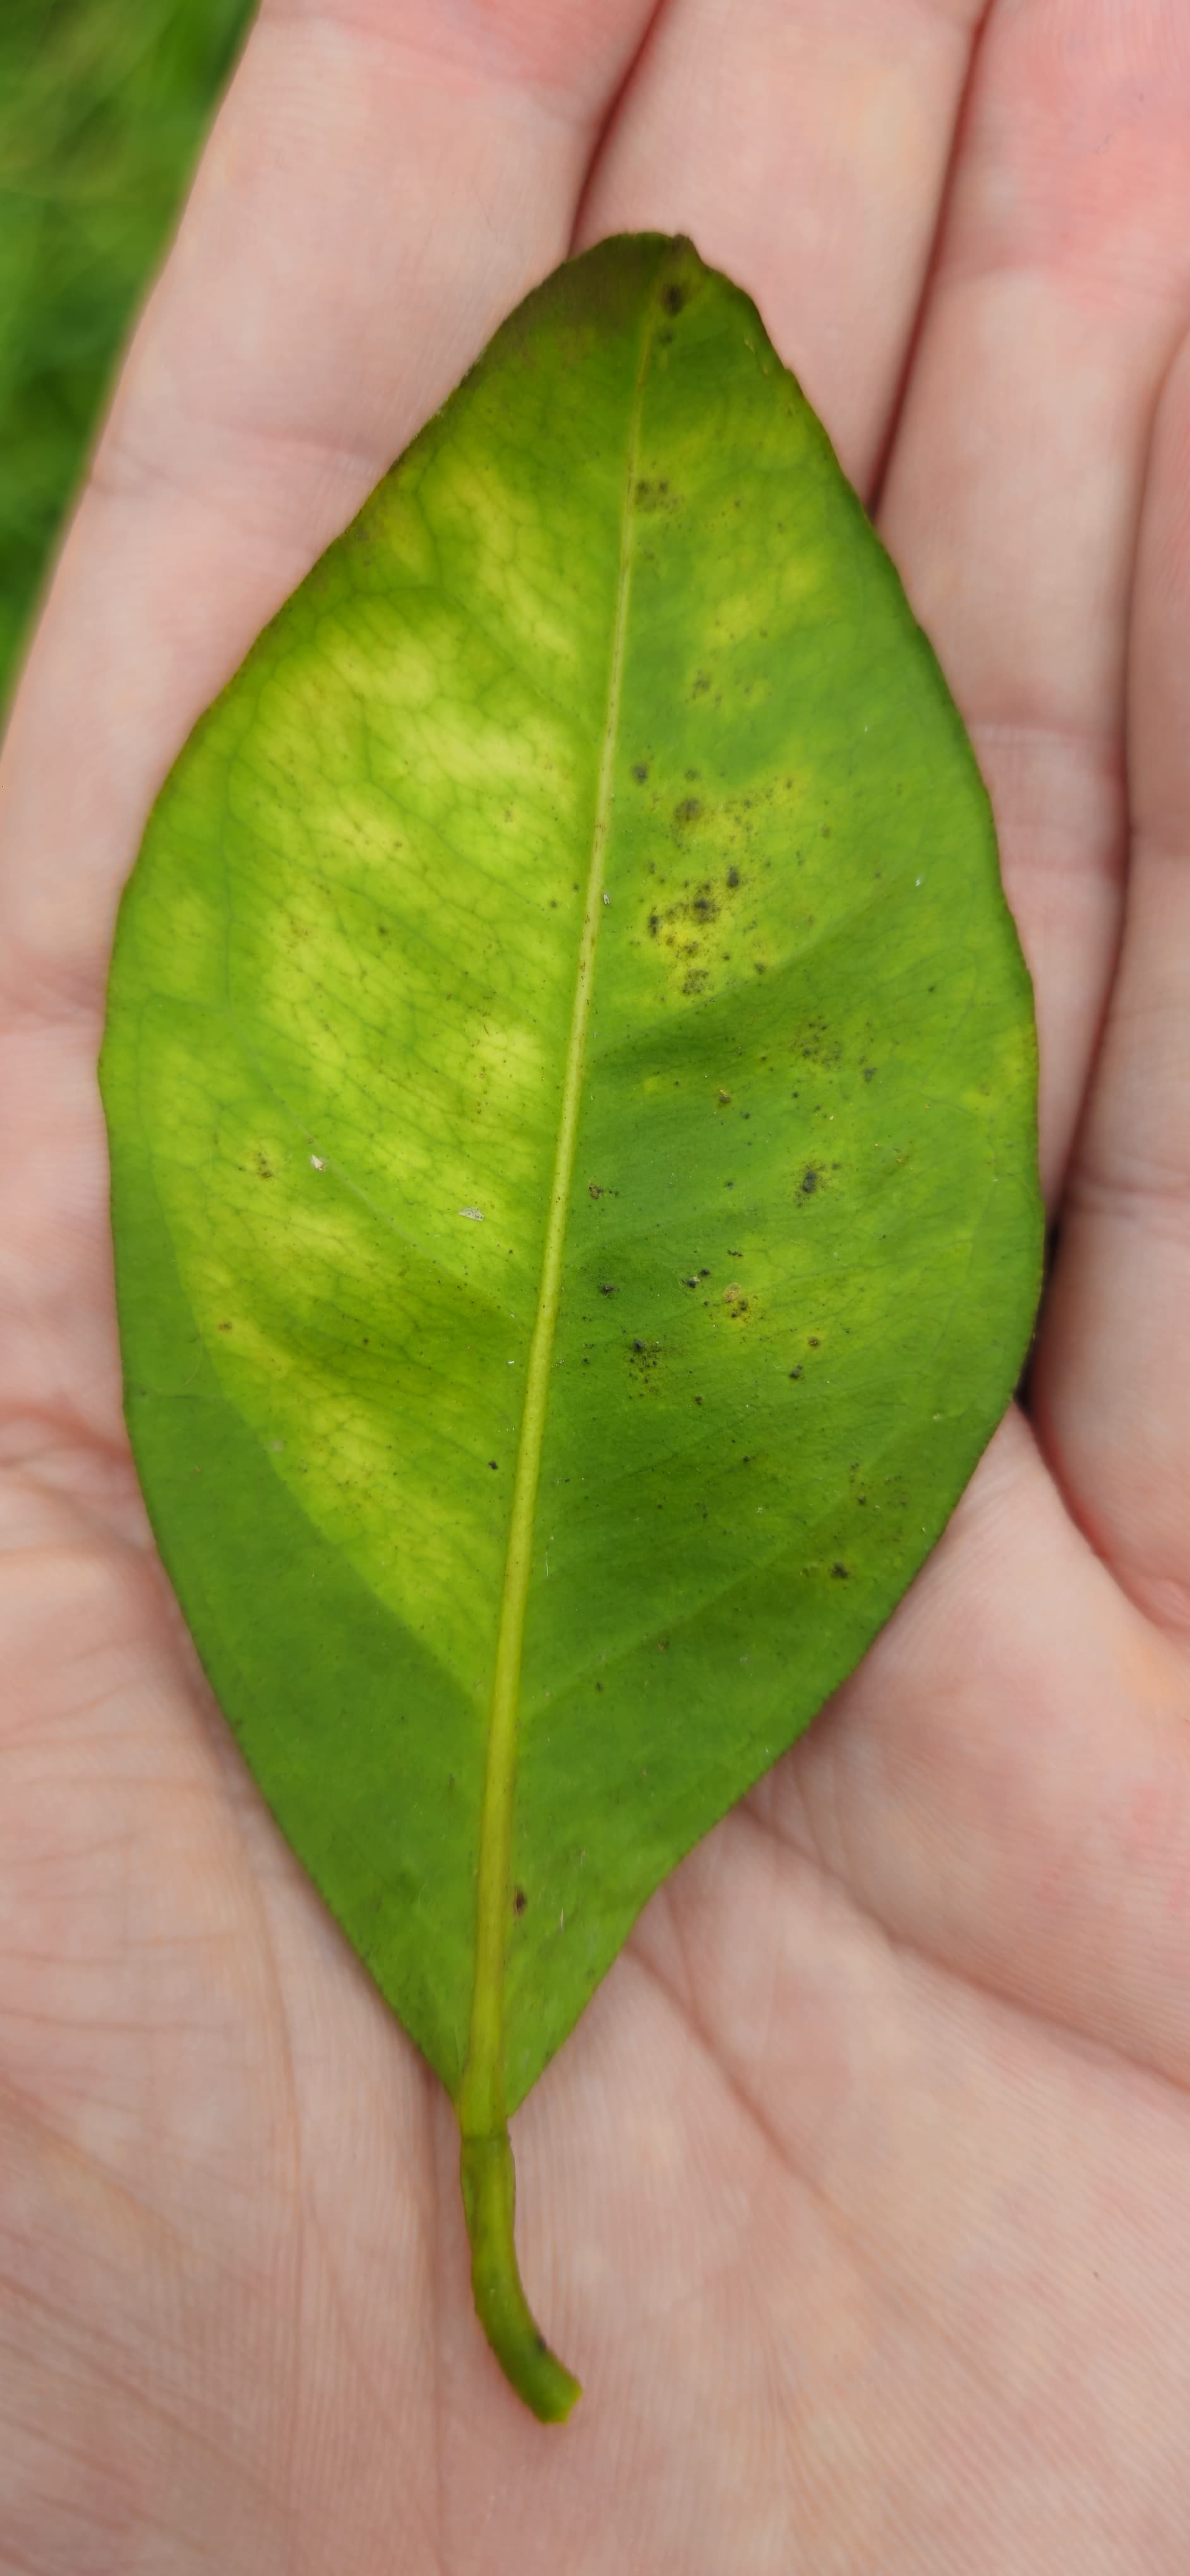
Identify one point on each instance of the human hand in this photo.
(857, 2198)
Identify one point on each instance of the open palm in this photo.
(858, 2199)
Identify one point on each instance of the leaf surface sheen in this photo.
(571, 1083)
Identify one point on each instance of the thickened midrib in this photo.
(481, 2103)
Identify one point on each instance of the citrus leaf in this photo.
(571, 1084)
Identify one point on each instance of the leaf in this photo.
(570, 1075)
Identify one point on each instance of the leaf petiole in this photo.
(489, 2199)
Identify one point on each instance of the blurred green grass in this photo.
(103, 107)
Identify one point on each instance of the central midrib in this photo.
(481, 2099)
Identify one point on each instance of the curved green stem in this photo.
(489, 2198)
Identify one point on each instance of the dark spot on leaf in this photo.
(688, 811)
(673, 299)
(733, 876)
(841, 1573)
(809, 1181)
(654, 923)
(640, 771)
(812, 1341)
(607, 1287)
(491, 1462)
(689, 1283)
(594, 1190)
(869, 1070)
(797, 1371)
(519, 1900)
(225, 1328)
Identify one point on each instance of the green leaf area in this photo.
(571, 1082)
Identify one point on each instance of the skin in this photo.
(858, 2198)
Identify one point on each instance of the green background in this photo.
(103, 107)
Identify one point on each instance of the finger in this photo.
(378, 190)
(1112, 1384)
(805, 151)
(1013, 491)
(381, 186)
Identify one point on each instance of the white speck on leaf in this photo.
(317, 1163)
(475, 1214)
(607, 898)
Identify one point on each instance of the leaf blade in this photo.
(685, 1369)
